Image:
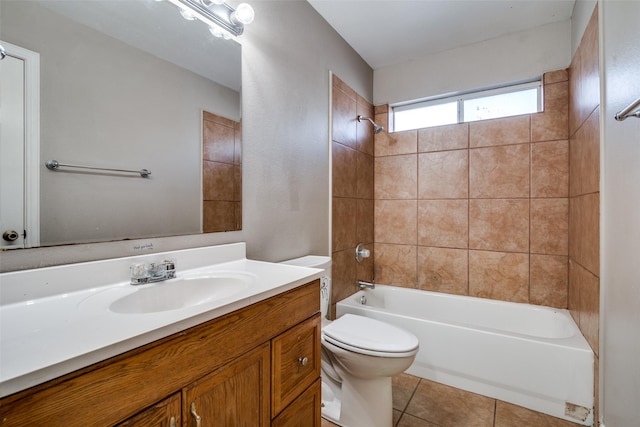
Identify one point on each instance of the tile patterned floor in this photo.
(422, 403)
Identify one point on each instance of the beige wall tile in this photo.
(344, 170)
(389, 144)
(237, 143)
(589, 306)
(381, 109)
(443, 270)
(509, 415)
(506, 131)
(217, 181)
(395, 265)
(364, 270)
(364, 130)
(396, 221)
(499, 275)
(344, 223)
(218, 216)
(553, 123)
(338, 83)
(555, 76)
(549, 275)
(499, 172)
(396, 177)
(584, 231)
(585, 76)
(585, 157)
(364, 220)
(550, 169)
(574, 291)
(237, 183)
(448, 406)
(443, 175)
(343, 275)
(364, 176)
(499, 224)
(443, 223)
(344, 112)
(439, 138)
(218, 142)
(550, 226)
(575, 72)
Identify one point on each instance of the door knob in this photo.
(10, 235)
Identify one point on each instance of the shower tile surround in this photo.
(505, 209)
(352, 189)
(479, 208)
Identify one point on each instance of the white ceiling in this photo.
(389, 32)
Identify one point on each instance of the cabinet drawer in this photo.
(295, 359)
(304, 411)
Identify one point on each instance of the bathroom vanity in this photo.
(255, 365)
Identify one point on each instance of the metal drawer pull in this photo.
(172, 422)
(195, 414)
(303, 361)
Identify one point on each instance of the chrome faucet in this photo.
(153, 272)
(366, 285)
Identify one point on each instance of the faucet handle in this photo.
(140, 273)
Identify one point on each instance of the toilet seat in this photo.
(370, 337)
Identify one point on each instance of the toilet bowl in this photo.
(359, 357)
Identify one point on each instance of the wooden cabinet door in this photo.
(236, 395)
(304, 411)
(295, 359)
(163, 414)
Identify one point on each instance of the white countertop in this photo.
(44, 335)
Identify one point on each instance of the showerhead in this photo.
(376, 129)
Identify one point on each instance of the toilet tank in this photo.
(323, 263)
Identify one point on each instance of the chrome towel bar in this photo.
(627, 112)
(54, 165)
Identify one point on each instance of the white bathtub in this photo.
(528, 355)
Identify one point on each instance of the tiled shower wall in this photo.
(352, 189)
(584, 188)
(221, 173)
(478, 208)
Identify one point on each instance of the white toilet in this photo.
(359, 357)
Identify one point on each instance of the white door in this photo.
(19, 148)
(12, 152)
(620, 274)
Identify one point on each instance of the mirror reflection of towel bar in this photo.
(54, 165)
(627, 112)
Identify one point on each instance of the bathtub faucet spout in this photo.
(366, 285)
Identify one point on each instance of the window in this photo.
(505, 101)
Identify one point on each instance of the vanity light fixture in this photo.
(222, 19)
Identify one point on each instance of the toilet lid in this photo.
(359, 332)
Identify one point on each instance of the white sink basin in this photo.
(176, 294)
(183, 292)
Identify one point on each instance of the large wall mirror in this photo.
(131, 85)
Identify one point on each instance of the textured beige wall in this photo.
(287, 55)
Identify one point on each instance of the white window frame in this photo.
(460, 98)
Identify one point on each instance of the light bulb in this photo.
(216, 31)
(187, 14)
(243, 14)
(207, 3)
